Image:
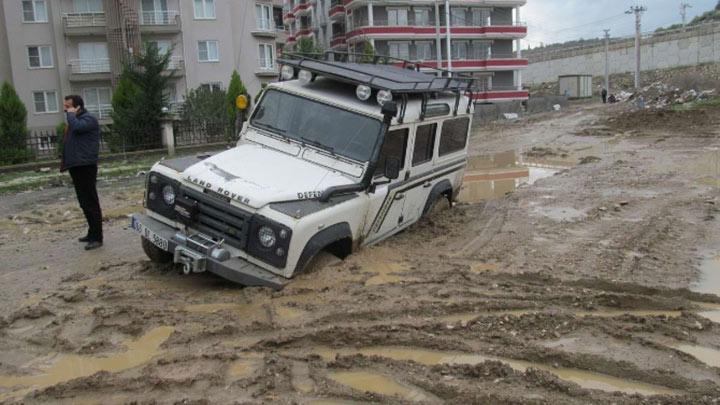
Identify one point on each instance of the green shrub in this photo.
(13, 127)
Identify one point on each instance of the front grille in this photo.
(218, 219)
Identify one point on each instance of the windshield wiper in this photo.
(271, 128)
(318, 145)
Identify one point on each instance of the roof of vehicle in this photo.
(343, 95)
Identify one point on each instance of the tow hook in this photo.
(192, 262)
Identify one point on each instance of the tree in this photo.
(368, 52)
(235, 89)
(139, 100)
(305, 46)
(13, 127)
(205, 105)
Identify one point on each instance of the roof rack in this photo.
(399, 76)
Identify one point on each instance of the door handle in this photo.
(427, 185)
(399, 197)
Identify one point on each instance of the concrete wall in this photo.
(5, 69)
(697, 45)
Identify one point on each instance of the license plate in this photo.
(148, 234)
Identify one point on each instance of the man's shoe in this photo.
(92, 245)
(84, 239)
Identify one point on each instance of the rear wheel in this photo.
(439, 204)
(156, 254)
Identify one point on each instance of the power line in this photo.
(683, 11)
(638, 11)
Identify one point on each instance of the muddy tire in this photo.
(438, 205)
(155, 254)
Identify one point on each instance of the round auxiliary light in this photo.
(266, 236)
(287, 72)
(168, 195)
(363, 92)
(384, 96)
(305, 76)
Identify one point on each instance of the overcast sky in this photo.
(552, 21)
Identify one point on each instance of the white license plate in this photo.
(148, 234)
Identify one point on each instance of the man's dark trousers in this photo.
(85, 179)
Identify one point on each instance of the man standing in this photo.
(81, 146)
(604, 94)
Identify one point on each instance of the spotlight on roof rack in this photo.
(363, 92)
(288, 73)
(384, 96)
(305, 76)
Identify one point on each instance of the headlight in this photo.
(384, 96)
(266, 236)
(169, 194)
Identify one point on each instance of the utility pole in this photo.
(438, 40)
(638, 11)
(449, 37)
(607, 61)
(683, 11)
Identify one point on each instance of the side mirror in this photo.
(392, 168)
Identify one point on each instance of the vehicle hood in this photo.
(255, 176)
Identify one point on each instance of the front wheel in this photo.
(156, 254)
(438, 204)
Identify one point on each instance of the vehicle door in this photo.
(421, 179)
(449, 157)
(386, 205)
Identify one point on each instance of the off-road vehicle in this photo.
(334, 156)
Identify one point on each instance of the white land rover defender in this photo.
(335, 156)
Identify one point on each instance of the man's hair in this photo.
(76, 100)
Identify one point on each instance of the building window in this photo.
(267, 56)
(459, 50)
(263, 15)
(423, 50)
(40, 57)
(88, 6)
(457, 16)
(45, 102)
(205, 9)
(98, 101)
(208, 51)
(424, 144)
(480, 17)
(400, 50)
(422, 17)
(213, 86)
(454, 135)
(34, 11)
(397, 16)
(163, 46)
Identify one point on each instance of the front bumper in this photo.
(234, 269)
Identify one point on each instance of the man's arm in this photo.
(83, 124)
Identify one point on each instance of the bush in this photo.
(203, 104)
(368, 52)
(13, 127)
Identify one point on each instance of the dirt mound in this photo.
(701, 122)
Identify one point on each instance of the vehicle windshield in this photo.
(319, 125)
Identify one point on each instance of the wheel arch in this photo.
(336, 239)
(442, 188)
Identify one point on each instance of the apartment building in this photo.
(49, 48)
(485, 35)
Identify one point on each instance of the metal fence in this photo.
(200, 132)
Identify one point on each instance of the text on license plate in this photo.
(148, 234)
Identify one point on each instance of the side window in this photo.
(395, 146)
(454, 135)
(424, 144)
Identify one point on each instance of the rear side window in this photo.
(454, 135)
(424, 144)
(395, 146)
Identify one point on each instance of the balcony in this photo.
(303, 8)
(383, 29)
(350, 4)
(160, 22)
(84, 24)
(337, 11)
(89, 70)
(264, 28)
(338, 41)
(500, 93)
(288, 17)
(304, 32)
(266, 68)
(177, 65)
(480, 63)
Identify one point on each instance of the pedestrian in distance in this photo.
(81, 146)
(604, 94)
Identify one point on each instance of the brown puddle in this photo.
(493, 176)
(70, 366)
(377, 383)
(383, 263)
(707, 355)
(709, 282)
(585, 379)
(243, 368)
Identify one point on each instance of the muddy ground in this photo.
(578, 288)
